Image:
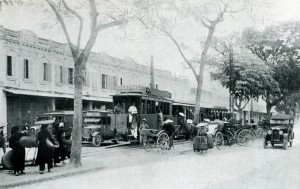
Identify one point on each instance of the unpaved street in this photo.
(230, 167)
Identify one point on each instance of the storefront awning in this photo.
(55, 95)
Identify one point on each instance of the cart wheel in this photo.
(162, 142)
(245, 137)
(219, 140)
(97, 140)
(149, 145)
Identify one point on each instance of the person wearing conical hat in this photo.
(143, 137)
(170, 130)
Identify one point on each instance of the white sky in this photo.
(139, 46)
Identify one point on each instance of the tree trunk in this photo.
(269, 107)
(201, 71)
(77, 125)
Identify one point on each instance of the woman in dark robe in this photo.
(45, 154)
(60, 153)
(18, 157)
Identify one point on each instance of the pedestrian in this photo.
(60, 153)
(160, 118)
(118, 108)
(18, 157)
(45, 153)
(143, 137)
(132, 119)
(170, 130)
(2, 140)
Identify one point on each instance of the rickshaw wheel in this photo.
(219, 140)
(97, 140)
(245, 137)
(149, 145)
(162, 142)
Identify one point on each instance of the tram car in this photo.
(152, 104)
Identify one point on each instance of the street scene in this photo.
(149, 94)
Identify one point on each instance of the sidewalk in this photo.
(93, 159)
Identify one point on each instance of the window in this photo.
(70, 76)
(115, 82)
(104, 81)
(156, 86)
(60, 74)
(9, 66)
(26, 69)
(46, 72)
(121, 81)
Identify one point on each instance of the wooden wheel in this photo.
(219, 140)
(162, 142)
(245, 137)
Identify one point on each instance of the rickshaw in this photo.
(156, 139)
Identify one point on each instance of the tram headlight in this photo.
(269, 132)
(281, 132)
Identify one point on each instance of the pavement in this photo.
(93, 159)
(133, 167)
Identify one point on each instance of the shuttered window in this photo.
(46, 72)
(70, 76)
(9, 66)
(104, 81)
(26, 69)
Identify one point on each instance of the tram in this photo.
(150, 104)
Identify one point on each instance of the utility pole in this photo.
(152, 81)
(231, 100)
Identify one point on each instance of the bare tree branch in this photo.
(80, 18)
(181, 53)
(63, 25)
(101, 27)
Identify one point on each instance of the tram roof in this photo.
(144, 96)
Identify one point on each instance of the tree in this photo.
(98, 23)
(278, 47)
(289, 104)
(246, 75)
(200, 13)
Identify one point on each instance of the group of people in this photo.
(45, 154)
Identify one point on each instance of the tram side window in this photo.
(150, 107)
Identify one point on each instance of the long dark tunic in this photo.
(60, 153)
(45, 154)
(18, 157)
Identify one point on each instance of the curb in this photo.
(52, 177)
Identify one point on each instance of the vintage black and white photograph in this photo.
(149, 94)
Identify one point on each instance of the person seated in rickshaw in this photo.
(143, 136)
(170, 130)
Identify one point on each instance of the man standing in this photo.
(2, 139)
(132, 119)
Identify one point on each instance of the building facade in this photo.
(37, 76)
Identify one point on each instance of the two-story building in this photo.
(37, 76)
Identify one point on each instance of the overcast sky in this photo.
(139, 46)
